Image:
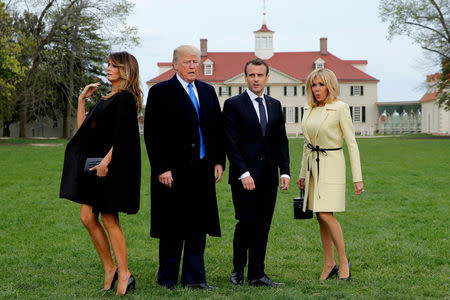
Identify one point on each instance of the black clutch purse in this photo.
(298, 207)
(91, 162)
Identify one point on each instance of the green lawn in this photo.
(397, 233)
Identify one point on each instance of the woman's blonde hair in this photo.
(329, 79)
(129, 73)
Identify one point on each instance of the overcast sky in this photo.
(353, 29)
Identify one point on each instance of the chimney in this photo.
(204, 47)
(323, 46)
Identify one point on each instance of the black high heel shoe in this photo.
(333, 272)
(131, 284)
(349, 272)
(113, 282)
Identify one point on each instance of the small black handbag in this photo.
(92, 162)
(298, 207)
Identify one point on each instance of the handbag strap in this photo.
(302, 193)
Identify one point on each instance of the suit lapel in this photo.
(270, 113)
(248, 107)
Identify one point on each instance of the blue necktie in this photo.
(195, 102)
(262, 115)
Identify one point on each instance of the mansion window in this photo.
(358, 114)
(267, 90)
(356, 90)
(290, 114)
(319, 66)
(303, 90)
(208, 69)
(290, 91)
(225, 91)
(242, 89)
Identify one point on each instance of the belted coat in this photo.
(328, 174)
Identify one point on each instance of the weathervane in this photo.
(264, 11)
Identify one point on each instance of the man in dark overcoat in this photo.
(184, 136)
(257, 148)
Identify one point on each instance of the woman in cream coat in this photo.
(326, 121)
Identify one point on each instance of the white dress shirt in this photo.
(255, 103)
(186, 88)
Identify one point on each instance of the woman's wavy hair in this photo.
(329, 79)
(129, 73)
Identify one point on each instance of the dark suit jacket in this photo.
(247, 149)
(173, 143)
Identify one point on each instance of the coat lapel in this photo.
(305, 132)
(323, 117)
(202, 100)
(184, 98)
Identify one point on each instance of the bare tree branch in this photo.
(441, 18)
(429, 28)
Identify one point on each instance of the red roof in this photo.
(294, 64)
(429, 97)
(357, 62)
(164, 64)
(264, 29)
(433, 77)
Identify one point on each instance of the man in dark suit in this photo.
(184, 136)
(256, 147)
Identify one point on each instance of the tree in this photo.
(79, 54)
(76, 31)
(11, 71)
(426, 22)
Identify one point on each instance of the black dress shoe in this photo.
(349, 272)
(201, 286)
(237, 277)
(264, 281)
(333, 272)
(168, 286)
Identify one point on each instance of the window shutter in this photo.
(268, 90)
(284, 113)
(240, 90)
(302, 111)
(362, 90)
(285, 90)
(351, 112)
(351, 90)
(295, 90)
(296, 115)
(229, 91)
(303, 90)
(220, 91)
(363, 113)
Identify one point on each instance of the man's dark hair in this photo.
(256, 62)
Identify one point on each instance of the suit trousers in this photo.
(193, 270)
(252, 230)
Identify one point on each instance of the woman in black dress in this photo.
(109, 131)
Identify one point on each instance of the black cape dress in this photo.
(110, 123)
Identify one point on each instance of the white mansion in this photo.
(288, 72)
